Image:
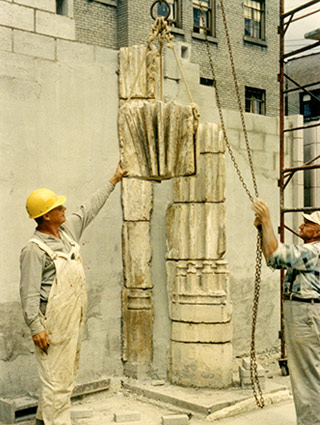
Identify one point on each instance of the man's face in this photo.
(57, 216)
(309, 231)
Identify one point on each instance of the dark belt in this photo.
(303, 300)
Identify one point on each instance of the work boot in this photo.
(39, 422)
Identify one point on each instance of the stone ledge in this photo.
(207, 401)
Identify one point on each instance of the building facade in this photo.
(252, 25)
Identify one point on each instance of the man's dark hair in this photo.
(39, 220)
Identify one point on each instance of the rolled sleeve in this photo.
(31, 265)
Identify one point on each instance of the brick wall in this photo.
(129, 23)
(96, 23)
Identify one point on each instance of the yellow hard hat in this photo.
(41, 201)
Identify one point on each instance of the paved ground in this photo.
(151, 402)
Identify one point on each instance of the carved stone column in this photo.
(198, 284)
(137, 196)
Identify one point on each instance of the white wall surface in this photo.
(58, 130)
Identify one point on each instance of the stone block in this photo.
(157, 139)
(36, 45)
(246, 364)
(55, 25)
(78, 412)
(263, 161)
(47, 5)
(78, 53)
(209, 183)
(201, 365)
(181, 419)
(196, 231)
(137, 196)
(138, 72)
(201, 332)
(256, 142)
(137, 253)
(5, 39)
(126, 417)
(210, 138)
(245, 373)
(137, 318)
(17, 66)
(136, 370)
(107, 57)
(200, 313)
(16, 16)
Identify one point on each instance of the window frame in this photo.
(211, 23)
(311, 103)
(262, 21)
(253, 91)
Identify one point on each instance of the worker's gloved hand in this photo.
(119, 173)
(41, 340)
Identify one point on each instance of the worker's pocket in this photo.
(61, 318)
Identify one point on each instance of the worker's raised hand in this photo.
(119, 173)
(41, 340)
(262, 212)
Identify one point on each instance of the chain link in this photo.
(256, 388)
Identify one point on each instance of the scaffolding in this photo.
(286, 174)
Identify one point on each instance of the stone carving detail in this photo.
(141, 62)
(137, 325)
(196, 230)
(136, 254)
(197, 275)
(136, 199)
(157, 139)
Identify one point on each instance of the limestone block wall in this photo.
(59, 104)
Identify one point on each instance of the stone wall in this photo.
(59, 104)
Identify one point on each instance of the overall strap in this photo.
(53, 255)
(69, 239)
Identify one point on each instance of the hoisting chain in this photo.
(256, 388)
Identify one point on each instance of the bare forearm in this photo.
(269, 241)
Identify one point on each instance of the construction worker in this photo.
(53, 294)
(301, 307)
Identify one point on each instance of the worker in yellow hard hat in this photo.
(53, 294)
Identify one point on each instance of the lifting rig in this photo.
(286, 174)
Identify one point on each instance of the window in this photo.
(208, 9)
(254, 17)
(174, 18)
(255, 101)
(309, 106)
(64, 7)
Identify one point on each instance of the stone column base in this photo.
(201, 365)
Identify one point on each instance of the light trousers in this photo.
(302, 334)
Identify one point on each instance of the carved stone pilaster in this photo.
(137, 325)
(198, 279)
(136, 61)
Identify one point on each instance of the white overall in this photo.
(63, 320)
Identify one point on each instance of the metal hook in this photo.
(160, 2)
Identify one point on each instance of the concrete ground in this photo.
(148, 402)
